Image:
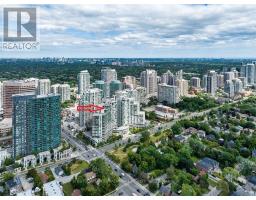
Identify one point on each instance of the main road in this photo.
(128, 185)
(136, 137)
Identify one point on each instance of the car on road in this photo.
(138, 190)
(120, 193)
(147, 194)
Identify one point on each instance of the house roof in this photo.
(76, 192)
(252, 179)
(90, 175)
(53, 188)
(207, 163)
(11, 183)
(44, 177)
(179, 138)
(254, 152)
(58, 170)
(165, 189)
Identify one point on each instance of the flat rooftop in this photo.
(6, 123)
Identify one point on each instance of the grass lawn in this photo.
(67, 189)
(132, 147)
(154, 138)
(212, 182)
(78, 166)
(194, 159)
(120, 154)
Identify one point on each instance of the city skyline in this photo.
(128, 100)
(149, 31)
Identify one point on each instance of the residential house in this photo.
(208, 165)
(165, 190)
(91, 177)
(14, 186)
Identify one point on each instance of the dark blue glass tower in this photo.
(36, 123)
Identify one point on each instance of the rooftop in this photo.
(207, 163)
(6, 123)
(53, 188)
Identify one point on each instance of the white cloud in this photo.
(147, 26)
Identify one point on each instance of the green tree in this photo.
(224, 187)
(100, 168)
(176, 128)
(8, 176)
(185, 151)
(170, 172)
(153, 186)
(145, 136)
(126, 165)
(90, 190)
(203, 181)
(104, 186)
(247, 167)
(187, 190)
(79, 181)
(8, 161)
(230, 174)
(114, 181)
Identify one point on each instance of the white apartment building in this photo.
(44, 87)
(229, 88)
(89, 96)
(104, 121)
(64, 91)
(168, 78)
(128, 111)
(148, 79)
(229, 76)
(195, 82)
(130, 82)
(249, 72)
(54, 88)
(83, 79)
(108, 75)
(233, 87)
(182, 85)
(220, 80)
(211, 82)
(168, 93)
(238, 85)
(1, 95)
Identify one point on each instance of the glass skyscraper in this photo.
(36, 123)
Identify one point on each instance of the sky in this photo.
(169, 31)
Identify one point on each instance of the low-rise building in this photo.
(3, 155)
(165, 112)
(208, 165)
(53, 188)
(29, 161)
(165, 190)
(6, 132)
(59, 171)
(180, 138)
(14, 186)
(90, 176)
